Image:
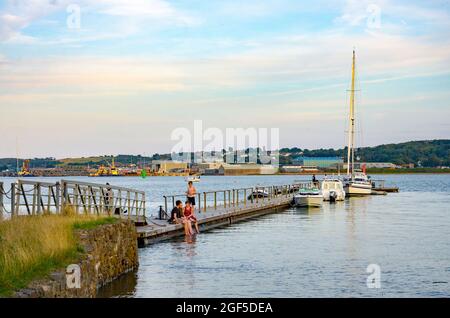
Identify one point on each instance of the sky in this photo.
(80, 78)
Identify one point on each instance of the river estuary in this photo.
(300, 252)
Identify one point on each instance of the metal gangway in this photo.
(232, 198)
(28, 197)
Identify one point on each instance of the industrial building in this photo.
(319, 162)
(167, 166)
(247, 169)
(298, 169)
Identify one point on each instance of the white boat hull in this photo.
(340, 195)
(358, 189)
(308, 200)
(192, 179)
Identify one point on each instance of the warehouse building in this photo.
(247, 169)
(319, 162)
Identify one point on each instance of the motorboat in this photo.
(308, 197)
(357, 183)
(258, 193)
(333, 190)
(192, 179)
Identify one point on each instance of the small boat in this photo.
(333, 190)
(357, 184)
(26, 171)
(308, 197)
(107, 171)
(258, 193)
(192, 179)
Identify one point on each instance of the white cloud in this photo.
(19, 14)
(393, 13)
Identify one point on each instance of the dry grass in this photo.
(32, 246)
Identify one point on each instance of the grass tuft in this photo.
(92, 224)
(31, 247)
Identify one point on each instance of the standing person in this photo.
(177, 213)
(314, 180)
(108, 198)
(191, 193)
(190, 216)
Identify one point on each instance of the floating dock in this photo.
(158, 230)
(213, 209)
(379, 186)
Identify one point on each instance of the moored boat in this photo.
(309, 198)
(192, 179)
(333, 190)
(258, 193)
(355, 183)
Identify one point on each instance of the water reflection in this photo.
(312, 252)
(124, 286)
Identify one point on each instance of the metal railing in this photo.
(92, 198)
(238, 197)
(35, 197)
(2, 200)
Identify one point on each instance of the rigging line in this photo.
(26, 191)
(5, 193)
(6, 211)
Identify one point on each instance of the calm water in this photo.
(304, 252)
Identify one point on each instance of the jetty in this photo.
(219, 208)
(214, 208)
(379, 186)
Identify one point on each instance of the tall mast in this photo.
(17, 154)
(351, 130)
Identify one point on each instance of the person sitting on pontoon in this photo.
(190, 218)
(177, 213)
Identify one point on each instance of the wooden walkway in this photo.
(158, 230)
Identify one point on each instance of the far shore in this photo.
(309, 173)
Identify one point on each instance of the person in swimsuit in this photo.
(190, 216)
(191, 193)
(187, 212)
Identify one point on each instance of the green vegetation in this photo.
(427, 153)
(104, 160)
(92, 224)
(11, 163)
(31, 247)
(401, 171)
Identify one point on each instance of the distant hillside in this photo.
(105, 160)
(11, 163)
(428, 153)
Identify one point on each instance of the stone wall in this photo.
(109, 251)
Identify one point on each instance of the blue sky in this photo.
(135, 70)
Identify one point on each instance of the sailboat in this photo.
(356, 182)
